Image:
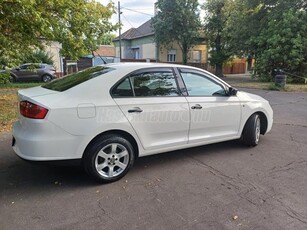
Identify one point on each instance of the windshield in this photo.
(74, 79)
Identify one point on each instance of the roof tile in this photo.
(142, 31)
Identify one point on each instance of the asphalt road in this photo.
(220, 186)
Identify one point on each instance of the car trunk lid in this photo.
(25, 94)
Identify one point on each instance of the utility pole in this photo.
(120, 35)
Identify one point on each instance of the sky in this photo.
(134, 12)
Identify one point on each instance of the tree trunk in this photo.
(219, 70)
(219, 53)
(184, 54)
(218, 44)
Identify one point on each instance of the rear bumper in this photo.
(45, 142)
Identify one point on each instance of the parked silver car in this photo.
(33, 72)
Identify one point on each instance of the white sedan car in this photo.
(107, 116)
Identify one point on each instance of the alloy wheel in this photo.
(112, 160)
(257, 130)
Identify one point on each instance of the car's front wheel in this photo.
(108, 158)
(251, 131)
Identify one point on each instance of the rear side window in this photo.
(160, 83)
(123, 89)
(147, 84)
(74, 79)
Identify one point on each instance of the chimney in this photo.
(156, 8)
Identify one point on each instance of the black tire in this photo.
(102, 153)
(46, 78)
(251, 131)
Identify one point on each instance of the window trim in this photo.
(145, 70)
(204, 75)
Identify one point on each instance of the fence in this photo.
(235, 68)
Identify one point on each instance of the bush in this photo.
(37, 56)
(5, 77)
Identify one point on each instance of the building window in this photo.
(196, 56)
(171, 56)
(136, 53)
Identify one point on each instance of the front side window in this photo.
(158, 83)
(200, 85)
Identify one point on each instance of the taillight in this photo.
(31, 110)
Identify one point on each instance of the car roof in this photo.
(136, 65)
(132, 66)
(35, 64)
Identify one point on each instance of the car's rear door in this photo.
(157, 111)
(214, 115)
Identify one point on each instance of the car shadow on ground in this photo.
(20, 175)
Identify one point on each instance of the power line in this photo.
(120, 34)
(151, 15)
(132, 25)
(127, 21)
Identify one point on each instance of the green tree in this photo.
(106, 39)
(218, 13)
(274, 32)
(177, 21)
(77, 24)
(37, 56)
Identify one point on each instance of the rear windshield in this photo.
(74, 79)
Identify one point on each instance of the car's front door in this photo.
(27, 72)
(214, 115)
(22, 72)
(154, 107)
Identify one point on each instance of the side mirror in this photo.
(232, 91)
(17, 68)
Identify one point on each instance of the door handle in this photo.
(197, 106)
(135, 110)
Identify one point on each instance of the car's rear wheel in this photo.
(251, 132)
(46, 78)
(108, 158)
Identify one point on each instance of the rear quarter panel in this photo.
(91, 95)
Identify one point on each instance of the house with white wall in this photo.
(139, 43)
(53, 48)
